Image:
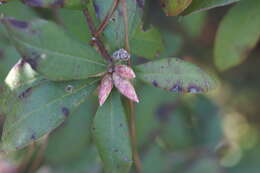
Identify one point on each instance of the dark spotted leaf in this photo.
(10, 9)
(201, 5)
(174, 7)
(116, 39)
(51, 52)
(72, 4)
(175, 75)
(35, 106)
(57, 150)
(110, 132)
(233, 46)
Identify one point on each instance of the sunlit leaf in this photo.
(233, 45)
(35, 106)
(175, 75)
(201, 5)
(51, 52)
(174, 7)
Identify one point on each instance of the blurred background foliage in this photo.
(213, 133)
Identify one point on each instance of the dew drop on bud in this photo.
(105, 88)
(125, 87)
(124, 71)
(121, 54)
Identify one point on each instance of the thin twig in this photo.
(96, 40)
(125, 15)
(104, 23)
(136, 157)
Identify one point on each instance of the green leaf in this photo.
(151, 98)
(110, 132)
(194, 24)
(174, 7)
(51, 52)
(18, 10)
(72, 4)
(175, 133)
(206, 164)
(88, 162)
(154, 161)
(34, 106)
(8, 57)
(206, 121)
(202, 5)
(57, 150)
(75, 23)
(233, 45)
(146, 43)
(115, 30)
(15, 9)
(172, 42)
(175, 75)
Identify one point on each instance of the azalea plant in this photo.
(91, 60)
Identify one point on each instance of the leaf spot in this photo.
(18, 24)
(155, 83)
(177, 88)
(33, 137)
(65, 111)
(194, 89)
(69, 88)
(25, 93)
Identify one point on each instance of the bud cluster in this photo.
(119, 77)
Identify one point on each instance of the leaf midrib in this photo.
(57, 53)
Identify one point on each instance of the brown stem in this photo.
(104, 23)
(56, 17)
(39, 157)
(96, 40)
(22, 166)
(136, 156)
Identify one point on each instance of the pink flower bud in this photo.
(125, 87)
(6, 167)
(124, 71)
(105, 88)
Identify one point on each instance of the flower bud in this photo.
(105, 88)
(121, 54)
(6, 167)
(125, 87)
(124, 71)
